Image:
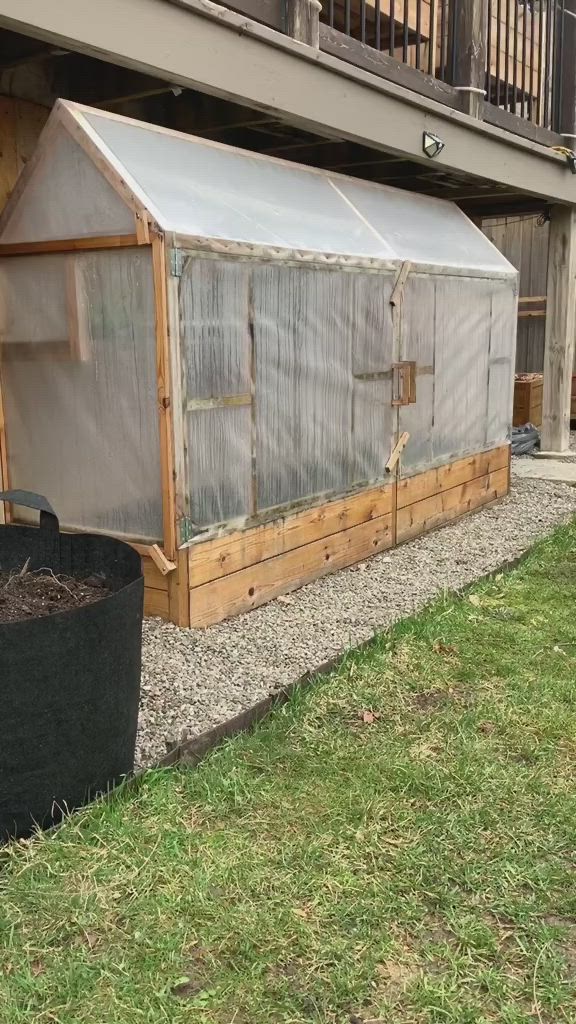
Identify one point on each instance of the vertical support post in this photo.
(163, 377)
(302, 20)
(560, 329)
(468, 52)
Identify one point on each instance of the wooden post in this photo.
(164, 398)
(302, 20)
(560, 328)
(468, 48)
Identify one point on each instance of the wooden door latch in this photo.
(404, 383)
(397, 451)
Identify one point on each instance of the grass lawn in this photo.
(397, 844)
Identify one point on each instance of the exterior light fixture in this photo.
(432, 145)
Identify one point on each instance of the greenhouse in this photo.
(254, 371)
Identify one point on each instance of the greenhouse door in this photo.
(289, 377)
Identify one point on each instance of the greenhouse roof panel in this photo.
(202, 190)
(217, 192)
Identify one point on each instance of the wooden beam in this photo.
(303, 21)
(164, 397)
(69, 245)
(251, 587)
(269, 12)
(222, 556)
(369, 59)
(560, 327)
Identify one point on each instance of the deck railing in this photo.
(528, 46)
(527, 43)
(512, 62)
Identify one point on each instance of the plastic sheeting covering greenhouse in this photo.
(309, 321)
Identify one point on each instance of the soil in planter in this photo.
(31, 595)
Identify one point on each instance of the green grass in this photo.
(397, 844)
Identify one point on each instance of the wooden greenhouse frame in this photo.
(199, 580)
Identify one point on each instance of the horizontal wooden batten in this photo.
(434, 511)
(433, 481)
(214, 559)
(259, 583)
(153, 578)
(70, 245)
(156, 603)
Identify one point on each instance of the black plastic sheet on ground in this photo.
(525, 439)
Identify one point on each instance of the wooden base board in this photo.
(245, 569)
(167, 596)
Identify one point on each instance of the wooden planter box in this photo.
(527, 399)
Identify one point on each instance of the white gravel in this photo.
(194, 679)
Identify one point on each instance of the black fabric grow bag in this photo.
(69, 682)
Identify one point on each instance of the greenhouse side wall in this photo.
(290, 416)
(79, 388)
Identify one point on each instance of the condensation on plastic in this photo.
(220, 193)
(66, 197)
(81, 415)
(318, 425)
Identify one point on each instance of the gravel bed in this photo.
(193, 679)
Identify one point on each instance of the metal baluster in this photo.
(331, 13)
(550, 13)
(524, 44)
(559, 64)
(541, 63)
(432, 39)
(532, 53)
(453, 17)
(392, 40)
(443, 40)
(363, 20)
(378, 26)
(498, 43)
(347, 15)
(405, 33)
(489, 54)
(515, 59)
(418, 32)
(507, 57)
